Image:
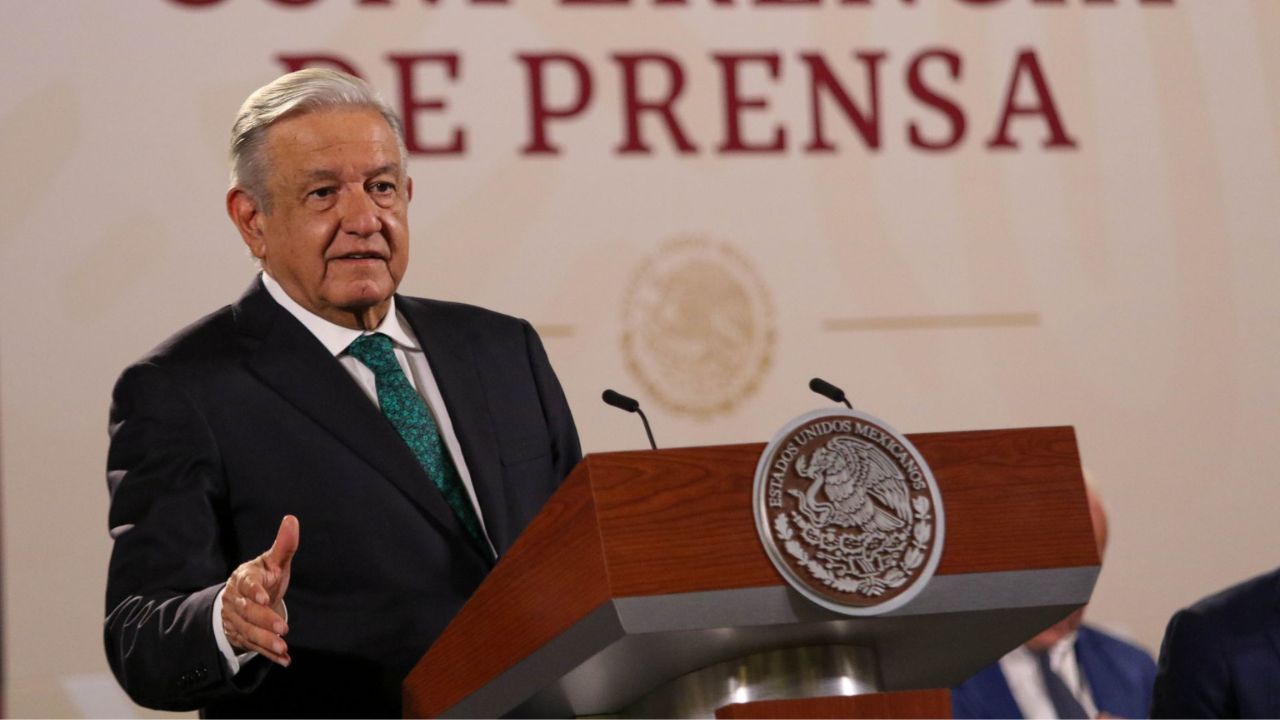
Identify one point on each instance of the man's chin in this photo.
(357, 296)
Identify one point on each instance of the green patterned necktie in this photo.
(402, 405)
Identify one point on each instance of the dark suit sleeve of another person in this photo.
(168, 563)
(1221, 656)
(1192, 679)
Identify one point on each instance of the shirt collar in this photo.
(1063, 651)
(334, 337)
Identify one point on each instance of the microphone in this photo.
(631, 405)
(829, 391)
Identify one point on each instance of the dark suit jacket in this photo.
(244, 417)
(1221, 656)
(1119, 676)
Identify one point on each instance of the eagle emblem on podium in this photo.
(848, 512)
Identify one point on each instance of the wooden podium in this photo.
(646, 567)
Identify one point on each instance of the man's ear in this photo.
(408, 188)
(246, 214)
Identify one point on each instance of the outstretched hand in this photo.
(253, 603)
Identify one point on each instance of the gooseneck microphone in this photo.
(829, 391)
(631, 405)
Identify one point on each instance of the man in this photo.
(1221, 657)
(1068, 670)
(379, 451)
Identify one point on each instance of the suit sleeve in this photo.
(168, 561)
(1192, 680)
(566, 450)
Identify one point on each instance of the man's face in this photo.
(337, 235)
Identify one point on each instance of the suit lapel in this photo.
(1098, 673)
(454, 368)
(292, 362)
(985, 694)
(1002, 697)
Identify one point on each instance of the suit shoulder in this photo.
(1238, 607)
(203, 343)
(1241, 595)
(985, 677)
(1115, 646)
(985, 694)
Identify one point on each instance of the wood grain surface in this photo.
(682, 521)
(908, 704)
(551, 577)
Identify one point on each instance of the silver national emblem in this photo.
(848, 512)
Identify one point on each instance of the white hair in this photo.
(298, 92)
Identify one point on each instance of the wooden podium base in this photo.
(909, 704)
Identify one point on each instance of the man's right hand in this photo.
(253, 602)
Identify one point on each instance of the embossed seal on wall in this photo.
(698, 329)
(848, 512)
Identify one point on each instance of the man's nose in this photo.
(360, 214)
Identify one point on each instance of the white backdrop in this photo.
(1123, 286)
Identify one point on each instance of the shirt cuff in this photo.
(234, 661)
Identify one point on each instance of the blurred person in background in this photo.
(1070, 670)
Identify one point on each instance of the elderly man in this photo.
(1069, 670)
(379, 451)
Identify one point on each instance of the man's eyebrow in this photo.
(321, 174)
(388, 169)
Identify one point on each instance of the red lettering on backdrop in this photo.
(735, 104)
(686, 2)
(821, 77)
(540, 112)
(633, 104)
(926, 95)
(385, 3)
(411, 105)
(1028, 65)
(298, 62)
(1103, 2)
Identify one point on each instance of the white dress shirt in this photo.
(413, 361)
(1022, 672)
